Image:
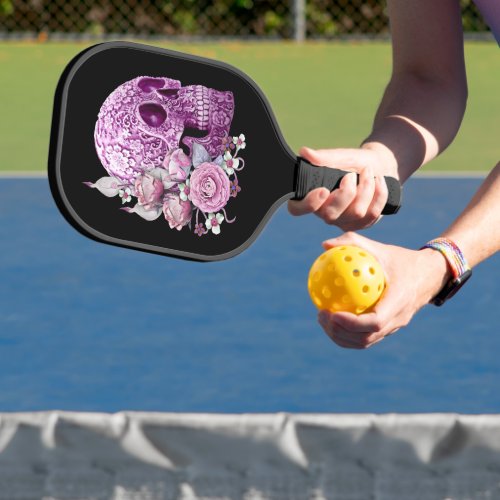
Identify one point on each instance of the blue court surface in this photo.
(90, 327)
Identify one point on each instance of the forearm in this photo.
(424, 102)
(477, 230)
(416, 120)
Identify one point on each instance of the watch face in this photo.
(451, 288)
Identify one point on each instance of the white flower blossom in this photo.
(214, 221)
(240, 142)
(125, 195)
(230, 163)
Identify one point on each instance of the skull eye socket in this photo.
(168, 92)
(149, 84)
(153, 114)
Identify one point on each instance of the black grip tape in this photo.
(309, 177)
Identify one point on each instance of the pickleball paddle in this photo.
(171, 153)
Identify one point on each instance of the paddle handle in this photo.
(309, 177)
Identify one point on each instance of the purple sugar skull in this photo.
(143, 119)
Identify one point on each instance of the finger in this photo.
(362, 340)
(385, 317)
(348, 338)
(359, 340)
(365, 191)
(341, 340)
(344, 344)
(338, 334)
(348, 238)
(372, 343)
(362, 324)
(338, 157)
(311, 203)
(338, 201)
(380, 195)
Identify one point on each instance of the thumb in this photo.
(338, 158)
(349, 238)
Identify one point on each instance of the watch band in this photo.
(458, 265)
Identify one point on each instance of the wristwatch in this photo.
(460, 270)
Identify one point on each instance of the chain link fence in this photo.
(284, 19)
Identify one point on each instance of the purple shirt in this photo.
(490, 9)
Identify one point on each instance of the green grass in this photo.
(323, 94)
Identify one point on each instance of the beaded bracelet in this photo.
(460, 269)
(452, 254)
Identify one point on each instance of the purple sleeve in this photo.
(490, 9)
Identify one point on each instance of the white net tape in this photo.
(160, 456)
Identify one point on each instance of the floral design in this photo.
(176, 211)
(213, 222)
(199, 229)
(230, 163)
(183, 188)
(125, 195)
(235, 188)
(209, 187)
(239, 141)
(148, 190)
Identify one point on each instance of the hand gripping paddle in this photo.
(171, 153)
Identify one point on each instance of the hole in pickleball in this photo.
(327, 293)
(339, 281)
(317, 276)
(356, 273)
(366, 289)
(362, 254)
(372, 270)
(379, 287)
(346, 299)
(348, 258)
(360, 309)
(330, 268)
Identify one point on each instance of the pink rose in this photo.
(148, 190)
(178, 165)
(209, 188)
(176, 212)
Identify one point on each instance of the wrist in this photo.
(458, 268)
(386, 157)
(437, 272)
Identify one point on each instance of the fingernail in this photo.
(323, 194)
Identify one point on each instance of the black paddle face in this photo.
(163, 152)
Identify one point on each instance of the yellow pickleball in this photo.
(346, 278)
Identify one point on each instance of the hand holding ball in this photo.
(346, 278)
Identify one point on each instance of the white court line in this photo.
(453, 174)
(23, 174)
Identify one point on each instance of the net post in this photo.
(299, 20)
